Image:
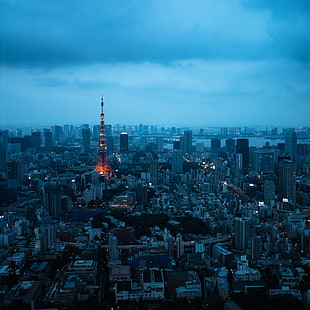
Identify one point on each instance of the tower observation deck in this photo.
(103, 167)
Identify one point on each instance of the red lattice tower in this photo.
(103, 167)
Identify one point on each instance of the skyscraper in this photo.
(269, 192)
(186, 141)
(159, 144)
(243, 232)
(103, 167)
(264, 161)
(36, 140)
(215, 143)
(230, 145)
(15, 173)
(48, 136)
(177, 162)
(287, 180)
(154, 166)
(243, 148)
(3, 150)
(85, 143)
(123, 143)
(291, 144)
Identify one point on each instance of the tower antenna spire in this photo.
(103, 167)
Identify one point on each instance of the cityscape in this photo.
(148, 217)
(154, 155)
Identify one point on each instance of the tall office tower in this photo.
(108, 130)
(176, 144)
(302, 152)
(103, 167)
(287, 180)
(256, 247)
(123, 143)
(4, 136)
(177, 162)
(264, 161)
(230, 145)
(187, 141)
(243, 232)
(15, 173)
(159, 144)
(141, 195)
(269, 192)
(239, 160)
(67, 131)
(154, 167)
(36, 140)
(58, 133)
(243, 148)
(85, 142)
(215, 143)
(48, 136)
(96, 132)
(48, 236)
(52, 201)
(224, 131)
(110, 144)
(291, 144)
(179, 246)
(113, 247)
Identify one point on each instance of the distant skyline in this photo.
(179, 63)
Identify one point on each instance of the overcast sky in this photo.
(162, 62)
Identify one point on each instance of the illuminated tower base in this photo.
(103, 167)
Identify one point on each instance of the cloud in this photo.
(187, 92)
(40, 33)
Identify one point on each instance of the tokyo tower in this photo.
(103, 167)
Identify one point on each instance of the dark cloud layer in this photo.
(51, 33)
(206, 62)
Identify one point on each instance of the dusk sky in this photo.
(161, 62)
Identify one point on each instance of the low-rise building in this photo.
(184, 284)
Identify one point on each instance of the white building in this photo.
(244, 272)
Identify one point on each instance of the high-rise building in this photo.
(58, 133)
(48, 136)
(15, 173)
(179, 246)
(256, 247)
(108, 130)
(215, 143)
(177, 162)
(36, 140)
(239, 160)
(264, 161)
(141, 195)
(85, 142)
(52, 201)
(110, 144)
(123, 143)
(154, 166)
(291, 144)
(187, 141)
(159, 144)
(3, 150)
(243, 148)
(230, 145)
(243, 232)
(269, 192)
(103, 167)
(113, 247)
(96, 132)
(224, 131)
(287, 180)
